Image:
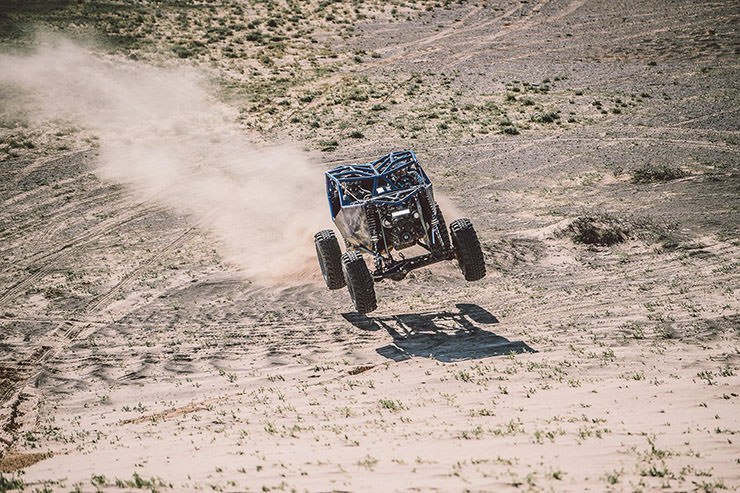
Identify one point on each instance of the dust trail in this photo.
(162, 134)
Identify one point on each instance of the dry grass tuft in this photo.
(599, 230)
(650, 173)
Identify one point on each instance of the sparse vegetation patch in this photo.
(650, 173)
(599, 230)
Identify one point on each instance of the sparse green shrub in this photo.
(189, 49)
(546, 117)
(328, 145)
(12, 482)
(391, 405)
(613, 477)
(254, 36)
(19, 142)
(509, 130)
(649, 173)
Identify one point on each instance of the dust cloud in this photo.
(163, 135)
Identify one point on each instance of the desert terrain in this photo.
(163, 322)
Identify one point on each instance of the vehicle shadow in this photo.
(445, 336)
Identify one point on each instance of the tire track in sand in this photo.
(49, 259)
(105, 299)
(484, 43)
(16, 378)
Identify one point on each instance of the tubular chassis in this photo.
(365, 201)
(383, 206)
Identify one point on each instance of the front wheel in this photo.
(359, 282)
(330, 258)
(467, 249)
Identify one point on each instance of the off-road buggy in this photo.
(384, 206)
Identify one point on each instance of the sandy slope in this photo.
(133, 355)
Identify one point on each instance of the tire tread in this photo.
(359, 282)
(330, 257)
(468, 250)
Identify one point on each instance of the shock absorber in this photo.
(429, 202)
(430, 214)
(373, 224)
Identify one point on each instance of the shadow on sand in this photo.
(445, 336)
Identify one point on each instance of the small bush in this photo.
(600, 230)
(254, 36)
(183, 51)
(391, 405)
(328, 145)
(11, 483)
(509, 130)
(651, 173)
(19, 142)
(547, 117)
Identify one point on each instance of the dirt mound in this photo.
(14, 462)
(603, 229)
(506, 253)
(599, 230)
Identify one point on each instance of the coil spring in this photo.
(372, 223)
(430, 211)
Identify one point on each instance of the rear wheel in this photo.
(330, 258)
(467, 248)
(359, 282)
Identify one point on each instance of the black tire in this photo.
(467, 249)
(443, 229)
(330, 258)
(359, 282)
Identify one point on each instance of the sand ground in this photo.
(134, 355)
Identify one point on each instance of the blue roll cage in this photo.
(377, 171)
